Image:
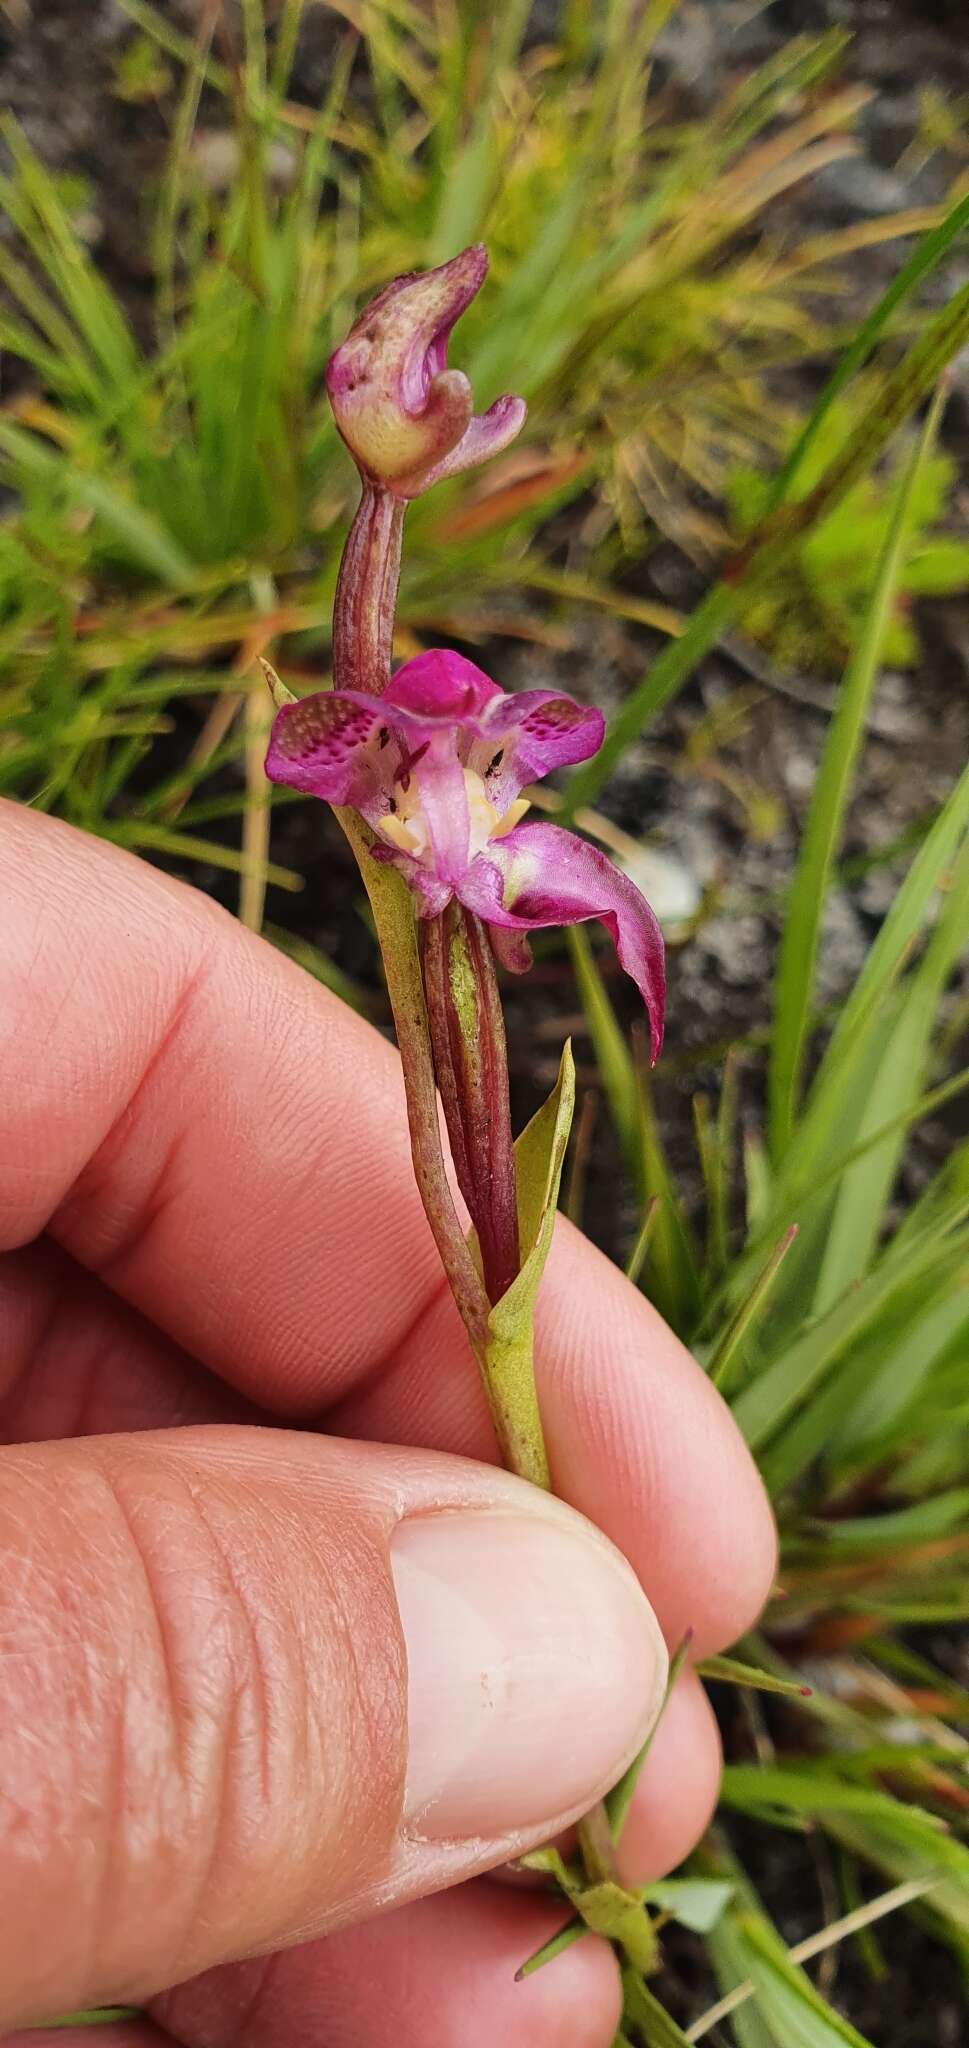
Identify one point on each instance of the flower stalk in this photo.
(366, 592)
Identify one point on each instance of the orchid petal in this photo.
(442, 685)
(349, 748)
(525, 736)
(487, 433)
(510, 948)
(542, 875)
(509, 739)
(327, 744)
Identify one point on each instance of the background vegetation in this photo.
(176, 500)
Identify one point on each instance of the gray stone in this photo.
(856, 186)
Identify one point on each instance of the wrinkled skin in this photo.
(208, 1217)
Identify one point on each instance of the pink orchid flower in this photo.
(407, 419)
(436, 766)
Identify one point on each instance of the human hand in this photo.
(209, 1750)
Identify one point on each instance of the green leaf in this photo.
(730, 1671)
(143, 537)
(818, 1158)
(508, 1356)
(672, 1266)
(808, 892)
(926, 255)
(749, 1313)
(939, 568)
(772, 1790)
(797, 2013)
(696, 1902)
(619, 1800)
(614, 1059)
(637, 1257)
(572, 1931)
(604, 1905)
(151, 20)
(940, 339)
(943, 1861)
(770, 1398)
(899, 1374)
(33, 201)
(894, 1084)
(658, 2028)
(770, 2001)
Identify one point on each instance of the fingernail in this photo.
(536, 1668)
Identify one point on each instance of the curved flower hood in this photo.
(407, 419)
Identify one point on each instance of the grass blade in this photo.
(637, 1257)
(673, 1267)
(816, 1945)
(748, 1315)
(619, 1800)
(765, 1404)
(572, 1931)
(808, 892)
(866, 1186)
(923, 260)
(784, 523)
(729, 1671)
(613, 1056)
(834, 1089)
(656, 2025)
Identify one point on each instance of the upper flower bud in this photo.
(406, 418)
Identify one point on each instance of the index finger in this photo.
(199, 1123)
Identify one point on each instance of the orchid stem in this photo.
(447, 1011)
(363, 627)
(397, 936)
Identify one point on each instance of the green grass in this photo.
(839, 1334)
(177, 508)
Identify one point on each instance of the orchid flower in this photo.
(406, 418)
(436, 765)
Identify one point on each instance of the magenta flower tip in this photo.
(436, 766)
(406, 418)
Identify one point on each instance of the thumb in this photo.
(254, 1684)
